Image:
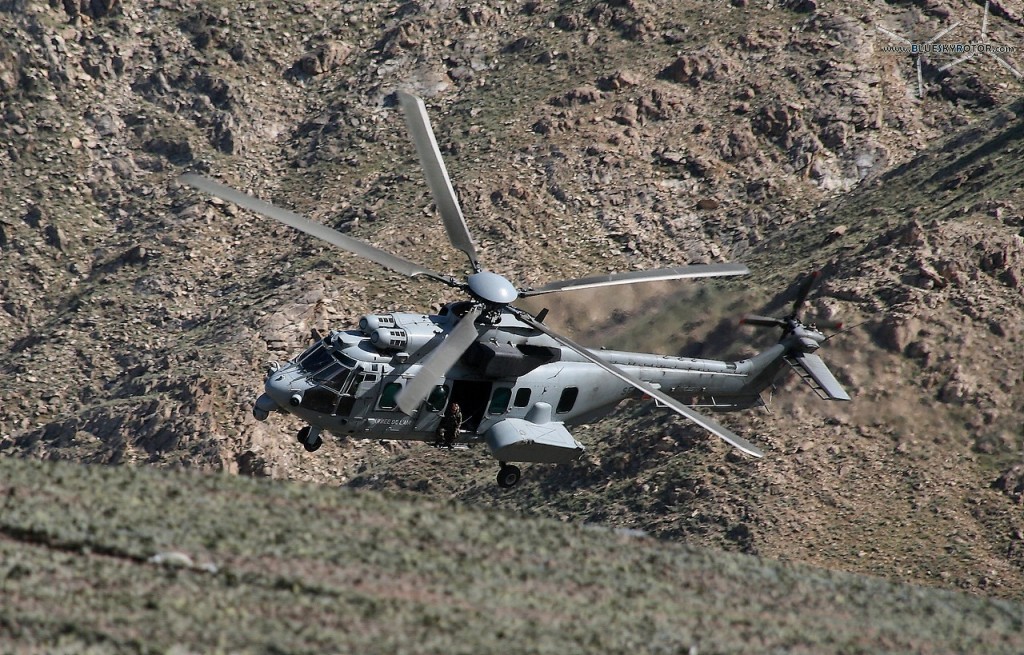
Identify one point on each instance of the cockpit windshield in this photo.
(316, 357)
(335, 376)
(323, 365)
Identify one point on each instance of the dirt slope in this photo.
(156, 562)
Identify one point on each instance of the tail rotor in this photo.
(802, 340)
(790, 322)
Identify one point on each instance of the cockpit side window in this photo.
(354, 381)
(338, 380)
(345, 360)
(330, 372)
(320, 399)
(329, 368)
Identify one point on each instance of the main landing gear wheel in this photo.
(310, 444)
(508, 476)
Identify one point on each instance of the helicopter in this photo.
(520, 384)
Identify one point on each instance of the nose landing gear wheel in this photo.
(311, 441)
(508, 476)
(315, 446)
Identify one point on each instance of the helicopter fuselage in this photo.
(347, 383)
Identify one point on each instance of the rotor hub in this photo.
(492, 288)
(810, 340)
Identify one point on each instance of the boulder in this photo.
(699, 67)
(740, 144)
(91, 8)
(326, 58)
(895, 333)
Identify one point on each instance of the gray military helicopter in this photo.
(518, 382)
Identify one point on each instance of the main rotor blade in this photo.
(440, 184)
(678, 273)
(437, 363)
(704, 422)
(322, 232)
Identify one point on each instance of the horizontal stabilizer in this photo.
(814, 371)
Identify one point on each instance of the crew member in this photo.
(449, 426)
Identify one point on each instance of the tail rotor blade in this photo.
(805, 290)
(762, 321)
(437, 363)
(440, 184)
(711, 426)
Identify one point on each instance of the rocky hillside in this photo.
(137, 316)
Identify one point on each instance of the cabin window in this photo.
(389, 396)
(567, 400)
(499, 401)
(522, 397)
(437, 398)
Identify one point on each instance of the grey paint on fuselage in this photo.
(717, 384)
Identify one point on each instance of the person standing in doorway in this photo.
(448, 429)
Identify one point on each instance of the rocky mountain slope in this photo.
(137, 316)
(183, 563)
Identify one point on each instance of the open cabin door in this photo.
(472, 397)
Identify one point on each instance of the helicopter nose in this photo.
(279, 388)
